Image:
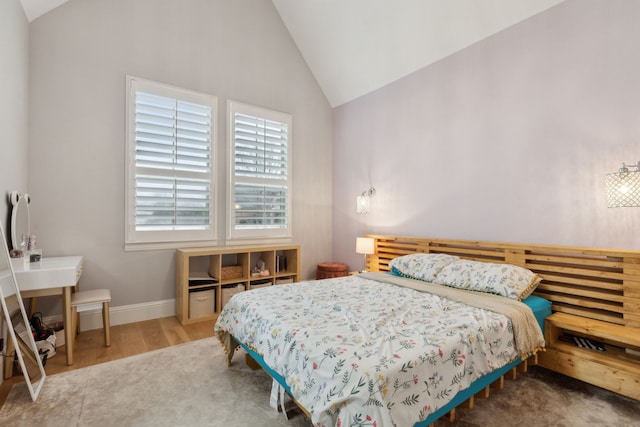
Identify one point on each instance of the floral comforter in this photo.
(359, 352)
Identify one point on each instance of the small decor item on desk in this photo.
(16, 253)
(32, 240)
(24, 244)
(35, 255)
(21, 250)
(28, 249)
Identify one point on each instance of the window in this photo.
(170, 165)
(259, 195)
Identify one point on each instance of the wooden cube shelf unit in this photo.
(222, 268)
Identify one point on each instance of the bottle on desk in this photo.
(30, 252)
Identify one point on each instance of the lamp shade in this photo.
(363, 204)
(623, 189)
(364, 245)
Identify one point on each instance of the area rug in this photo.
(184, 385)
(190, 385)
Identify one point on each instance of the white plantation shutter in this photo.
(260, 187)
(170, 145)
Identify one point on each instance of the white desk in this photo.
(52, 276)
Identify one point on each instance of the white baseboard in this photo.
(123, 314)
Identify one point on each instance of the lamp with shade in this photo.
(363, 201)
(623, 187)
(365, 245)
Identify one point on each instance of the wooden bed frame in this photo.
(595, 294)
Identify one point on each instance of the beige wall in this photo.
(80, 54)
(14, 76)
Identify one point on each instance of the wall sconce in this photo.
(363, 201)
(623, 187)
(365, 245)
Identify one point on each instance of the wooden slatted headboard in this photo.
(602, 284)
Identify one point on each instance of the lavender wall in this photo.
(507, 140)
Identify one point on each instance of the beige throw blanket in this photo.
(527, 334)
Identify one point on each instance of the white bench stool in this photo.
(91, 300)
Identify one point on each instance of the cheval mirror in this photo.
(18, 327)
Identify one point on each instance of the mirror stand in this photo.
(21, 340)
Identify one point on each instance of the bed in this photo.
(398, 347)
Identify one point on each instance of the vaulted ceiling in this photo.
(354, 47)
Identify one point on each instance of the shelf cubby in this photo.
(226, 266)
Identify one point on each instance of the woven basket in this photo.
(261, 285)
(231, 272)
(230, 290)
(328, 270)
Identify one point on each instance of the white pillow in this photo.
(421, 266)
(506, 280)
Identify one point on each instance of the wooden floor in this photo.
(126, 340)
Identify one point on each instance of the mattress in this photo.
(344, 374)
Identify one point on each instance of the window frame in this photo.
(164, 239)
(257, 235)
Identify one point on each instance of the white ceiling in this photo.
(34, 8)
(354, 47)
